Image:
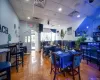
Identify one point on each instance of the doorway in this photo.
(29, 40)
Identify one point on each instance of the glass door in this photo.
(27, 41)
(32, 39)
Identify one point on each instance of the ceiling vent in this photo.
(36, 19)
(73, 14)
(40, 3)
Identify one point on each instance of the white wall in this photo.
(8, 18)
(67, 37)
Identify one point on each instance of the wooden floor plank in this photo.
(38, 68)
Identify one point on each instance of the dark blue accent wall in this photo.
(89, 25)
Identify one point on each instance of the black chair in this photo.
(5, 71)
(76, 65)
(17, 54)
(75, 68)
(55, 65)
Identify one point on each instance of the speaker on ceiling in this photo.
(40, 27)
(90, 1)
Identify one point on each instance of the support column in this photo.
(38, 41)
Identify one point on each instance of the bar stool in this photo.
(18, 55)
(5, 70)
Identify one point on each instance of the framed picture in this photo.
(69, 30)
(14, 26)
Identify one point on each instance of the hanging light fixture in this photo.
(48, 22)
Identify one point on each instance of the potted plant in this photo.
(80, 40)
(62, 34)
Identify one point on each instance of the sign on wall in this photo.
(3, 29)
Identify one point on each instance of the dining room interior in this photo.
(49, 39)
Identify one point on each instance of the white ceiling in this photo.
(50, 11)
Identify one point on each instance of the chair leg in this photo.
(73, 73)
(51, 69)
(79, 73)
(55, 74)
(16, 63)
(63, 72)
(8, 74)
(22, 59)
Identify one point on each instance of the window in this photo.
(28, 38)
(25, 39)
(32, 38)
(48, 36)
(33, 32)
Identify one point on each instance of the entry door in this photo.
(33, 42)
(27, 41)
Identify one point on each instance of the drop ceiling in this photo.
(50, 11)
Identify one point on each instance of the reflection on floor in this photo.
(38, 68)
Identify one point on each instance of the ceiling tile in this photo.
(16, 4)
(55, 6)
(27, 6)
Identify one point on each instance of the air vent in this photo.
(74, 13)
(36, 18)
(40, 3)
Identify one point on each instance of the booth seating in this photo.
(91, 52)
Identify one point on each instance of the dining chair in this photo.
(55, 65)
(17, 55)
(5, 70)
(76, 65)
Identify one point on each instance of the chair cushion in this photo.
(4, 65)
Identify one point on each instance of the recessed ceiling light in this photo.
(87, 27)
(28, 17)
(60, 9)
(59, 25)
(78, 16)
(27, 0)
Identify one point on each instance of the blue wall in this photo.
(90, 24)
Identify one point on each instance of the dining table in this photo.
(47, 48)
(5, 51)
(65, 57)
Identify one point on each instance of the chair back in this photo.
(77, 60)
(58, 49)
(53, 58)
(13, 49)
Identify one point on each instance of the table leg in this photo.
(8, 56)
